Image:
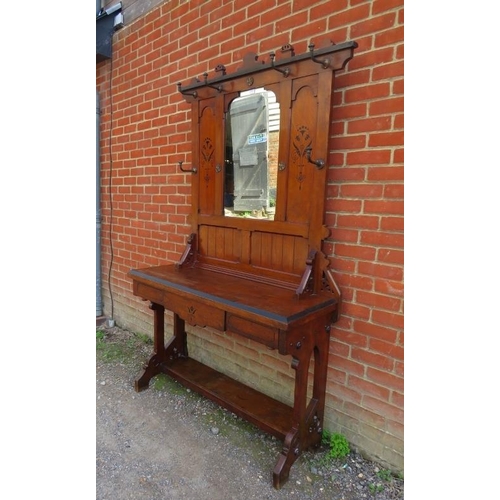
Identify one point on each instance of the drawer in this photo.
(262, 334)
(195, 313)
(191, 311)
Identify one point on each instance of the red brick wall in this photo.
(146, 131)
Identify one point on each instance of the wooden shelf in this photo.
(266, 413)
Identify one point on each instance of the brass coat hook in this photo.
(191, 170)
(324, 63)
(319, 163)
(285, 71)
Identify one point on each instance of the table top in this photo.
(264, 301)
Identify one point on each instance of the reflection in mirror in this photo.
(252, 137)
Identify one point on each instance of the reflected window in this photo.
(252, 141)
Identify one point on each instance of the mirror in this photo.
(251, 156)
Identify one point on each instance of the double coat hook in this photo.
(218, 87)
(285, 71)
(324, 63)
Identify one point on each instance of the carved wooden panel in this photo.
(208, 156)
(301, 174)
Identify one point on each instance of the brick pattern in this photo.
(146, 131)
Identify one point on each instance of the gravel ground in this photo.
(169, 443)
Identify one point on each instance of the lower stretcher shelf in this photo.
(263, 411)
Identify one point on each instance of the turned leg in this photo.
(153, 367)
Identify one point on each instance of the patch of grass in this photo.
(162, 382)
(145, 339)
(116, 348)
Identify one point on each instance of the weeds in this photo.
(113, 349)
(337, 444)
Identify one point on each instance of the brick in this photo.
(352, 78)
(355, 310)
(372, 359)
(355, 281)
(385, 174)
(367, 92)
(355, 251)
(378, 301)
(310, 31)
(327, 9)
(376, 331)
(390, 70)
(369, 157)
(392, 224)
(358, 221)
(380, 6)
(367, 387)
(386, 379)
(349, 16)
(346, 174)
(395, 352)
(381, 238)
(348, 142)
(397, 398)
(373, 24)
(369, 125)
(384, 207)
(389, 37)
(388, 318)
(345, 236)
(386, 106)
(361, 191)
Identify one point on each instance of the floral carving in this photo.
(207, 154)
(301, 142)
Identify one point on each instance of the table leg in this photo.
(154, 365)
(307, 426)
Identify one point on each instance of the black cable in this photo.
(110, 183)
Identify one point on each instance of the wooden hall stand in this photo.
(265, 280)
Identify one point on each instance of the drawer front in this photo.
(195, 313)
(262, 334)
(190, 310)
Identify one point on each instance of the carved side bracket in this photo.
(307, 275)
(325, 280)
(188, 256)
